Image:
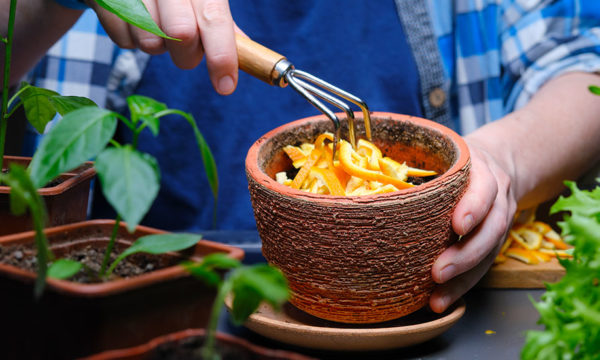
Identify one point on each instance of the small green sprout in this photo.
(247, 285)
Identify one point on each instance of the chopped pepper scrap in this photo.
(360, 171)
(533, 242)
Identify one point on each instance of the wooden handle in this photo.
(256, 59)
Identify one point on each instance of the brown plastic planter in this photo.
(359, 259)
(66, 202)
(73, 319)
(169, 346)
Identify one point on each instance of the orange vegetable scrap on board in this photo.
(360, 171)
(533, 242)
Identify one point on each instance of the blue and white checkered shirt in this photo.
(495, 54)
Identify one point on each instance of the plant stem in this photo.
(44, 254)
(110, 246)
(6, 80)
(134, 140)
(209, 351)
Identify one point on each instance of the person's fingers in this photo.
(117, 29)
(484, 239)
(478, 198)
(218, 39)
(446, 294)
(464, 263)
(146, 41)
(178, 20)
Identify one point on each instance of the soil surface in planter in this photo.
(52, 183)
(190, 348)
(24, 257)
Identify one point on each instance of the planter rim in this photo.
(114, 286)
(138, 351)
(262, 178)
(85, 171)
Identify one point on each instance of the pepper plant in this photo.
(247, 286)
(130, 180)
(41, 105)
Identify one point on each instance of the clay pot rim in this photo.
(143, 349)
(115, 286)
(73, 177)
(262, 178)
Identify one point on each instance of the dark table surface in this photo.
(507, 312)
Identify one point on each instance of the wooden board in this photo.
(515, 274)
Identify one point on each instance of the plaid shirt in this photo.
(495, 54)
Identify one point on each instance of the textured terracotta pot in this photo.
(359, 259)
(66, 202)
(167, 347)
(73, 319)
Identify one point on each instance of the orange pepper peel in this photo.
(363, 171)
(533, 242)
(347, 163)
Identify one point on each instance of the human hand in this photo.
(483, 217)
(205, 27)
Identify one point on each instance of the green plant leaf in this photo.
(162, 243)
(39, 109)
(77, 137)
(23, 190)
(134, 12)
(201, 272)
(220, 261)
(584, 202)
(66, 104)
(18, 197)
(157, 244)
(594, 89)
(64, 268)
(145, 109)
(130, 182)
(205, 270)
(210, 166)
(252, 285)
(245, 302)
(569, 309)
(21, 187)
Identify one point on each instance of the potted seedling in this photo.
(73, 319)
(66, 195)
(246, 287)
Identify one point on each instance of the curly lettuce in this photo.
(570, 308)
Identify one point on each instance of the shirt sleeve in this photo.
(543, 39)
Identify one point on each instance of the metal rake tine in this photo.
(336, 102)
(319, 105)
(341, 93)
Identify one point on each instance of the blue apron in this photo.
(356, 45)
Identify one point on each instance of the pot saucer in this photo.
(295, 327)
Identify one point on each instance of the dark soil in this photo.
(52, 183)
(24, 257)
(189, 348)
